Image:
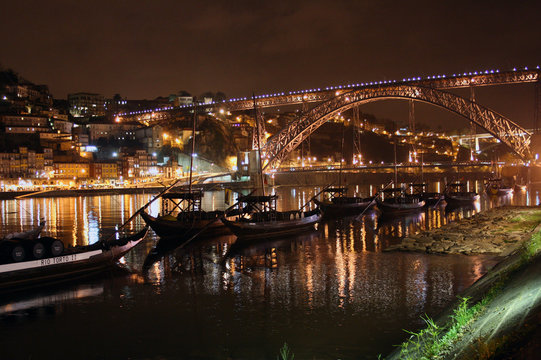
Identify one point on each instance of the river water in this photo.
(330, 294)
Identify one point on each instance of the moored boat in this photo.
(521, 187)
(456, 194)
(496, 187)
(338, 204)
(430, 198)
(57, 264)
(265, 222)
(190, 219)
(395, 201)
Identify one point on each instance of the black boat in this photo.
(496, 187)
(190, 219)
(457, 194)
(395, 201)
(430, 198)
(264, 222)
(338, 204)
(22, 266)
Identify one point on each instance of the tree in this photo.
(214, 141)
(220, 96)
(207, 94)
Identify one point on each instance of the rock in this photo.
(426, 240)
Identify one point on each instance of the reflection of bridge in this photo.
(335, 99)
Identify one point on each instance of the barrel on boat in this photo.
(53, 247)
(11, 251)
(34, 248)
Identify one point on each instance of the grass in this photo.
(434, 340)
(527, 218)
(285, 353)
(532, 247)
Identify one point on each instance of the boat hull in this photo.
(174, 228)
(499, 191)
(433, 198)
(70, 265)
(344, 208)
(457, 199)
(399, 208)
(272, 229)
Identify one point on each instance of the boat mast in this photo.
(191, 202)
(422, 169)
(341, 155)
(260, 165)
(395, 169)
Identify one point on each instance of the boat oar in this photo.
(444, 190)
(190, 239)
(373, 200)
(316, 195)
(437, 202)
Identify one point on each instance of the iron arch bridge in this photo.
(280, 145)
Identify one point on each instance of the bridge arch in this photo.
(280, 145)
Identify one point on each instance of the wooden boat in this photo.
(264, 222)
(456, 194)
(60, 264)
(29, 235)
(338, 204)
(496, 187)
(395, 201)
(430, 198)
(520, 187)
(190, 219)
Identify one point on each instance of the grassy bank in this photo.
(485, 321)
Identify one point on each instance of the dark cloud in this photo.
(143, 49)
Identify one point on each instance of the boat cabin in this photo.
(419, 188)
(393, 193)
(183, 201)
(258, 203)
(456, 187)
(335, 192)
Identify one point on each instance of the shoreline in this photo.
(10, 195)
(497, 316)
(498, 231)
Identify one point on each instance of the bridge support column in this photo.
(473, 130)
(536, 137)
(537, 110)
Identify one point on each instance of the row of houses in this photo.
(31, 164)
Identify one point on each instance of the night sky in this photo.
(145, 49)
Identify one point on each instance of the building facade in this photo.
(86, 104)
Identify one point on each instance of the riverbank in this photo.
(499, 231)
(498, 316)
(9, 195)
(153, 189)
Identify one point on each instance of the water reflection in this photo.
(74, 220)
(49, 298)
(331, 293)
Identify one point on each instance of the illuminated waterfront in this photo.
(330, 294)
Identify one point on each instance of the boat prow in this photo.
(68, 264)
(209, 223)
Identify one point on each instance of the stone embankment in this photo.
(498, 231)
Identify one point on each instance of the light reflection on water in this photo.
(330, 293)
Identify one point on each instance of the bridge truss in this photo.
(280, 145)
